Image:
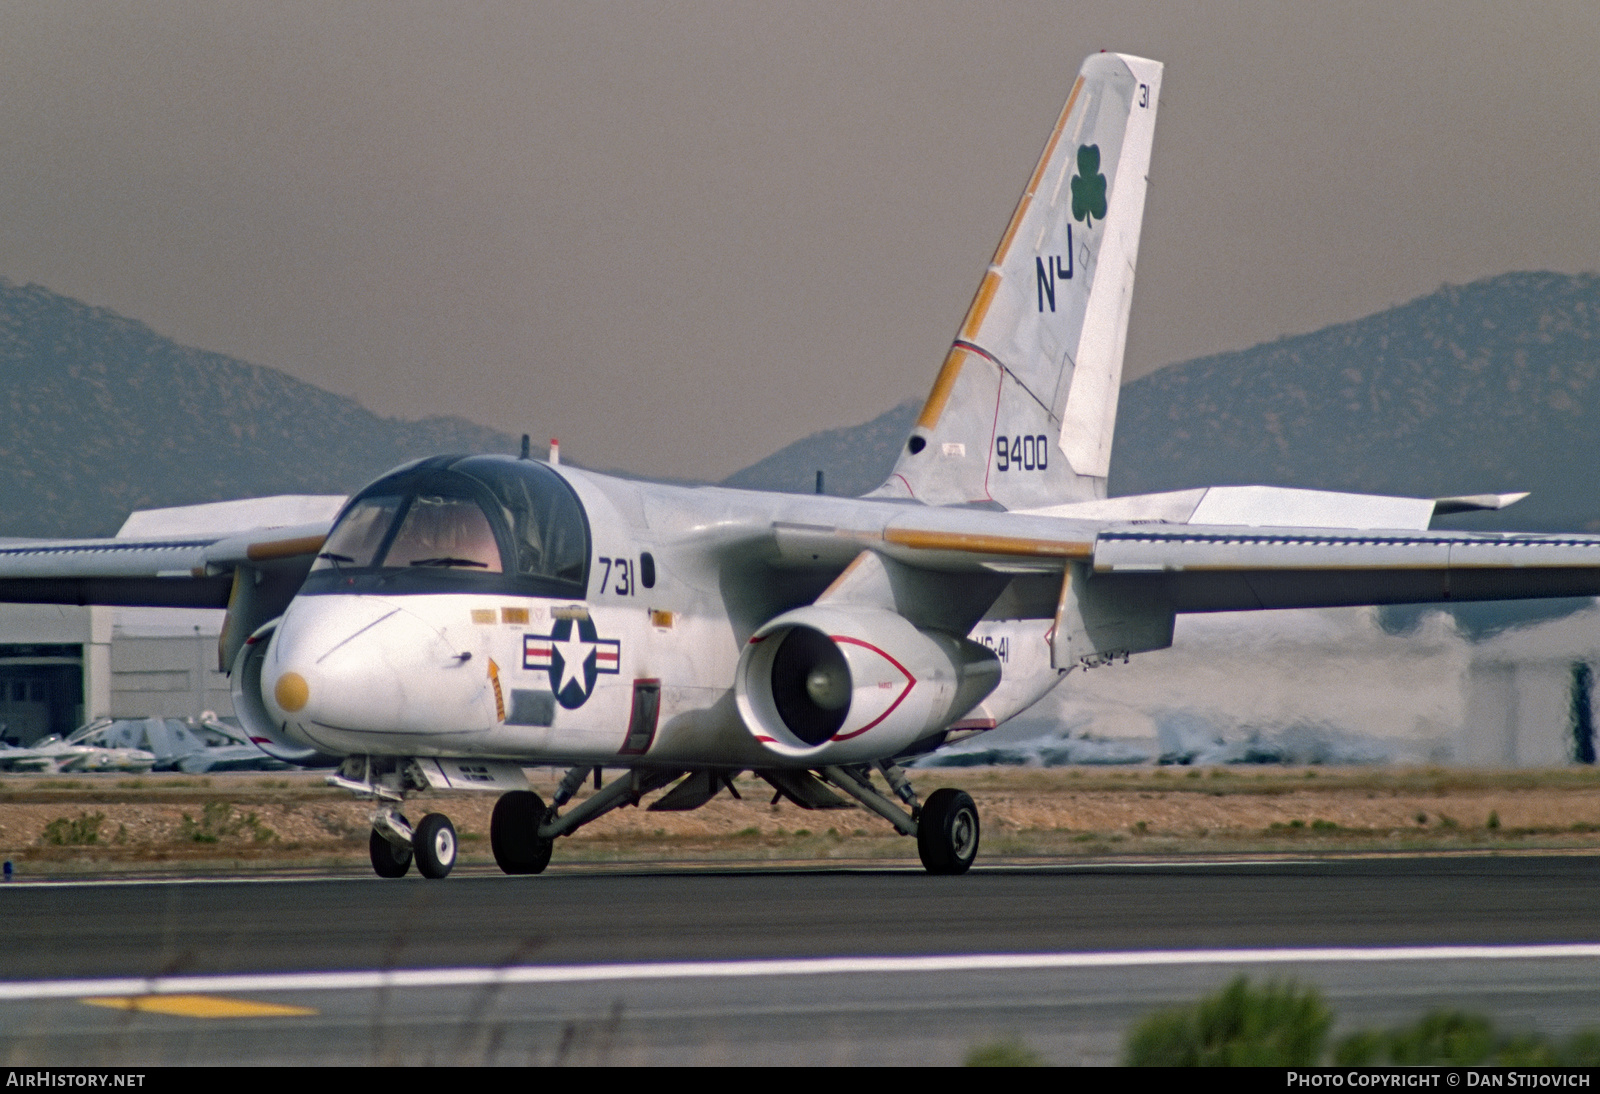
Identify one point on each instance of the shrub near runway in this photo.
(1286, 1025)
(73, 832)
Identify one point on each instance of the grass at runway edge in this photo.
(234, 823)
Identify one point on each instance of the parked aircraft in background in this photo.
(466, 616)
(195, 748)
(54, 756)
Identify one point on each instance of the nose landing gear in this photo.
(394, 844)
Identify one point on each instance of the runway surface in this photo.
(485, 924)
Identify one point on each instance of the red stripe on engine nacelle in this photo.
(911, 682)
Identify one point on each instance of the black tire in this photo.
(514, 833)
(434, 844)
(389, 859)
(947, 832)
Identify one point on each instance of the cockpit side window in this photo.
(548, 530)
(444, 532)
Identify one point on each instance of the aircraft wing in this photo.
(1210, 569)
(173, 571)
(1334, 557)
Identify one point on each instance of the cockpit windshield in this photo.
(356, 538)
(482, 522)
(444, 532)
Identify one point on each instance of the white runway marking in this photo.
(811, 966)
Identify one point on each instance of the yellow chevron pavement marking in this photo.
(199, 1006)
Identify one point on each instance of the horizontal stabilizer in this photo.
(1279, 507)
(1475, 503)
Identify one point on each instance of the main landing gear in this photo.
(946, 827)
(947, 832)
(523, 829)
(514, 833)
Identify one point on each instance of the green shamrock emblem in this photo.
(1088, 187)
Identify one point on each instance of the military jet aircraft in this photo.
(464, 616)
(174, 744)
(54, 756)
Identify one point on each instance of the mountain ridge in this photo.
(104, 416)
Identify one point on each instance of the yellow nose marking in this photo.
(291, 691)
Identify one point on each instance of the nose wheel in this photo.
(434, 845)
(394, 844)
(389, 858)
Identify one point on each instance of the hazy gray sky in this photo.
(680, 235)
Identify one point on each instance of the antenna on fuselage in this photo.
(527, 449)
(819, 483)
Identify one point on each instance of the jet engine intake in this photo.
(828, 685)
(251, 711)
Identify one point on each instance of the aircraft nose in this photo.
(364, 665)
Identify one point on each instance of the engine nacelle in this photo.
(826, 685)
(251, 711)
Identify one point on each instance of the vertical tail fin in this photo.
(1022, 412)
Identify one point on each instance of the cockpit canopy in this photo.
(459, 524)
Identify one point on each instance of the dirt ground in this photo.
(163, 823)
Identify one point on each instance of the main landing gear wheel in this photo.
(514, 833)
(389, 859)
(947, 832)
(434, 842)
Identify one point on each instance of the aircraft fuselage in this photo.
(633, 667)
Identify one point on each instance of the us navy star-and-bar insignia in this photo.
(574, 661)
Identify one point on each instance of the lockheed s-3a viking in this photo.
(464, 617)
